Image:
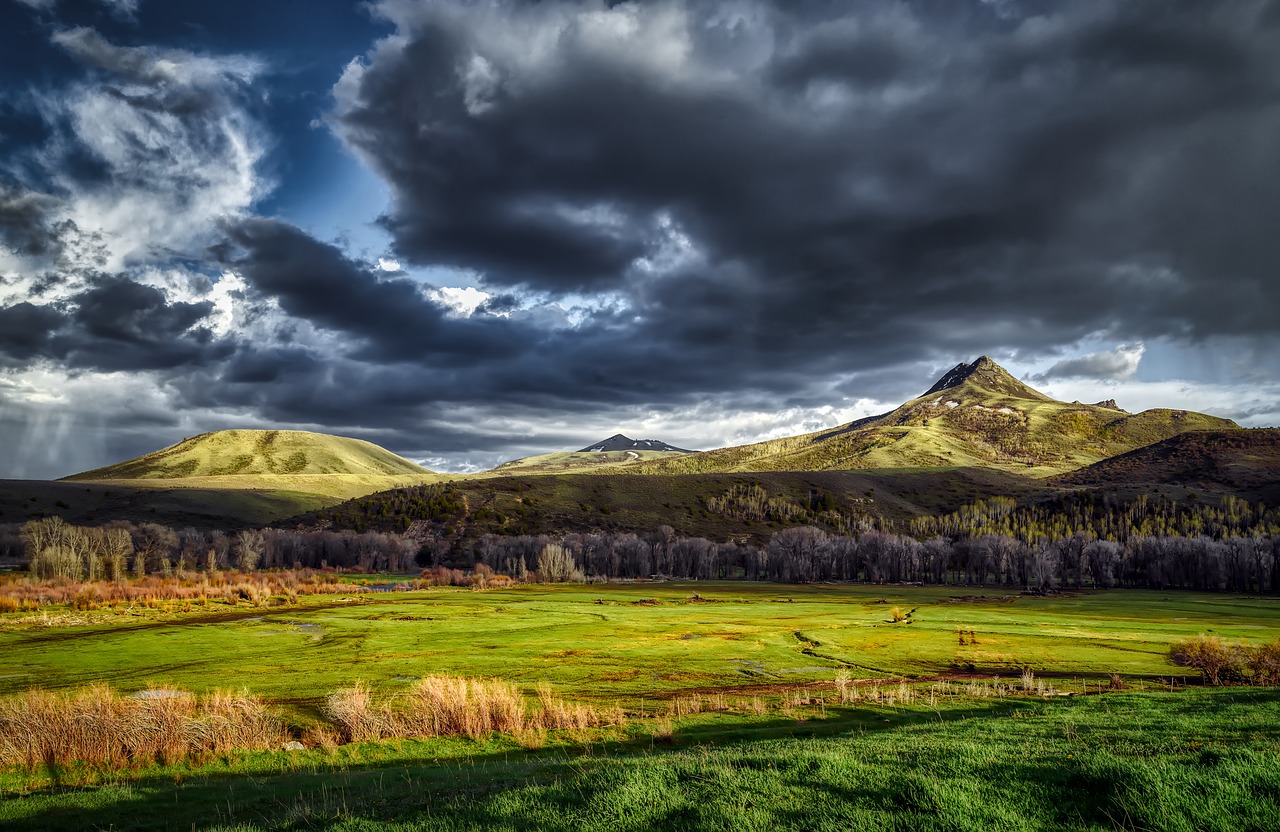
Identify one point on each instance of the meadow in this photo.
(638, 642)
(1112, 735)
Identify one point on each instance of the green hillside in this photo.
(259, 452)
(579, 462)
(736, 506)
(977, 415)
(289, 467)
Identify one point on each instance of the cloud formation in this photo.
(1020, 170)
(1119, 364)
(751, 217)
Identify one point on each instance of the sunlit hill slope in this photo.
(977, 415)
(336, 467)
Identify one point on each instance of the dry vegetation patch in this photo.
(98, 726)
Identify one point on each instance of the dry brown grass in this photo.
(161, 592)
(439, 706)
(95, 725)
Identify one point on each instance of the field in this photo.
(1142, 757)
(636, 642)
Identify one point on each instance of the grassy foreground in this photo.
(1139, 759)
(1202, 760)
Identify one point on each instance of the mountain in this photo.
(618, 442)
(1245, 463)
(975, 415)
(603, 457)
(286, 461)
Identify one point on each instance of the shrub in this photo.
(1216, 660)
(1264, 664)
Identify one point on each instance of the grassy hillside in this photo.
(716, 506)
(246, 453)
(577, 462)
(1245, 463)
(276, 473)
(978, 415)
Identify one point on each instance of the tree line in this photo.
(53, 548)
(1076, 542)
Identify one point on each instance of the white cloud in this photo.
(179, 147)
(1119, 364)
(388, 264)
(461, 301)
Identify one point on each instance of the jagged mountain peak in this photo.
(619, 442)
(987, 374)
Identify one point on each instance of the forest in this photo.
(1076, 541)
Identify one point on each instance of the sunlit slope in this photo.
(978, 415)
(336, 467)
(579, 462)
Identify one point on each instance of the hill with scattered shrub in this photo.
(976, 415)
(1245, 463)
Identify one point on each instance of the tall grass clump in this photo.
(355, 714)
(448, 705)
(97, 726)
(443, 706)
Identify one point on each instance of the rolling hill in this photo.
(976, 415)
(602, 457)
(285, 469)
(1244, 463)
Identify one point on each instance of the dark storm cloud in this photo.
(746, 205)
(861, 181)
(25, 330)
(113, 324)
(317, 282)
(27, 223)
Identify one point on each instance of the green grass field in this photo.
(1190, 761)
(1138, 759)
(636, 642)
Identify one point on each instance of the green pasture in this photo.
(1193, 760)
(629, 642)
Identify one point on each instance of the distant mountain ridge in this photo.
(618, 442)
(617, 454)
(976, 415)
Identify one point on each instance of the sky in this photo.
(472, 230)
